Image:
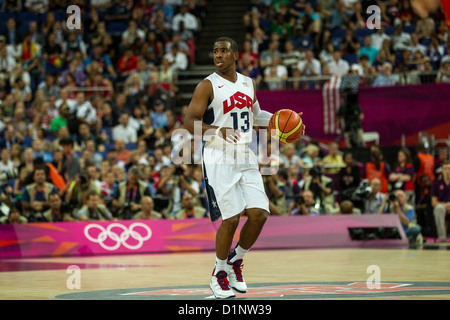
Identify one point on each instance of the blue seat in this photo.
(27, 16)
(351, 58)
(409, 29)
(362, 32)
(4, 16)
(389, 30)
(131, 146)
(338, 33)
(116, 28)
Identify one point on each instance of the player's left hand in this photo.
(303, 125)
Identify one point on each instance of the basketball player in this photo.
(226, 106)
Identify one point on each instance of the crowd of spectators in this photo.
(87, 115)
(322, 38)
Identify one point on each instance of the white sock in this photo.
(240, 253)
(220, 265)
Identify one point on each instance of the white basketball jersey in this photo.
(232, 106)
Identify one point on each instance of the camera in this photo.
(83, 179)
(179, 170)
(392, 197)
(363, 190)
(5, 176)
(300, 199)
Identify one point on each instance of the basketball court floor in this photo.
(362, 274)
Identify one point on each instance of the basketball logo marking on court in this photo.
(110, 240)
(296, 291)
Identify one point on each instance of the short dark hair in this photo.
(234, 46)
(66, 142)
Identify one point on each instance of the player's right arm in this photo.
(203, 95)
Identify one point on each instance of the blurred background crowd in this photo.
(87, 115)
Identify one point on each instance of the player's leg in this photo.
(257, 211)
(224, 238)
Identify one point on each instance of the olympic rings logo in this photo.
(118, 239)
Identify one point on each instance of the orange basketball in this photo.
(286, 126)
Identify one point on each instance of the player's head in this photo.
(233, 45)
(225, 52)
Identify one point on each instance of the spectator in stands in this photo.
(14, 217)
(188, 209)
(379, 37)
(375, 200)
(246, 68)
(322, 188)
(128, 63)
(338, 66)
(333, 161)
(385, 77)
(382, 58)
(147, 211)
(127, 198)
(309, 67)
(347, 207)
(350, 44)
(78, 189)
(275, 74)
(124, 131)
(93, 210)
(443, 75)
(416, 45)
(57, 211)
(6, 164)
(290, 157)
(275, 190)
(397, 205)
(368, 49)
(36, 196)
(159, 116)
(402, 177)
(12, 35)
(132, 37)
(266, 56)
(104, 62)
(349, 177)
(178, 60)
(377, 168)
(423, 163)
(305, 205)
(85, 112)
(38, 151)
(190, 21)
(424, 208)
(69, 165)
(440, 200)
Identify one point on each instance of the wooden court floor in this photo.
(46, 279)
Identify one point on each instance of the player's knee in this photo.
(232, 222)
(258, 216)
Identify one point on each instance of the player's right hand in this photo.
(230, 135)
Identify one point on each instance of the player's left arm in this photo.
(261, 118)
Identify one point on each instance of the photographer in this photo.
(36, 196)
(304, 205)
(58, 211)
(322, 189)
(93, 210)
(373, 203)
(395, 202)
(128, 195)
(351, 115)
(76, 196)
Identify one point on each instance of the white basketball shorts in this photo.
(232, 187)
